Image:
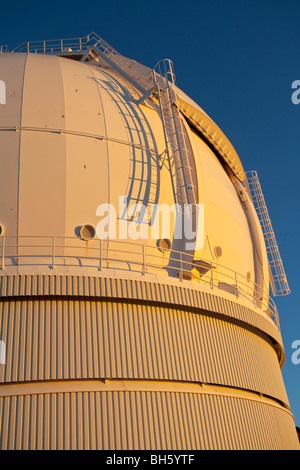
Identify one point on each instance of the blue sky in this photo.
(237, 59)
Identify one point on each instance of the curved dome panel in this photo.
(214, 135)
(82, 141)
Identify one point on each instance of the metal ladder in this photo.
(175, 135)
(279, 282)
(129, 68)
(162, 79)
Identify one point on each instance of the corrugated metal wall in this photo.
(68, 339)
(60, 333)
(142, 288)
(142, 420)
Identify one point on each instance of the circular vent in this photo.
(87, 232)
(164, 245)
(218, 251)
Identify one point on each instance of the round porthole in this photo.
(164, 245)
(87, 232)
(1, 230)
(218, 251)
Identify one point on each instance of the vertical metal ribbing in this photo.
(141, 420)
(62, 339)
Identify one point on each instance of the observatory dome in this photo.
(135, 306)
(77, 140)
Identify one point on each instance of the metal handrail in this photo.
(59, 45)
(141, 78)
(21, 250)
(4, 48)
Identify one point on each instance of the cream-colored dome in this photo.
(77, 139)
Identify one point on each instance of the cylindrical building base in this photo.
(104, 363)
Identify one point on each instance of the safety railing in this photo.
(4, 48)
(59, 45)
(60, 252)
(140, 77)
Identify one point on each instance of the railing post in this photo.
(3, 251)
(181, 273)
(211, 276)
(100, 260)
(53, 252)
(143, 267)
(236, 285)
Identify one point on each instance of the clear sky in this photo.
(237, 59)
